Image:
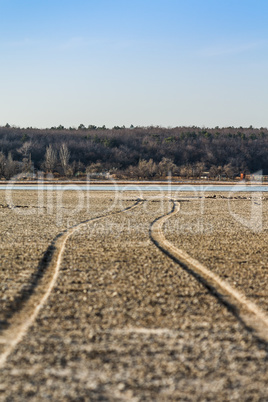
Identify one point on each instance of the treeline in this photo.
(135, 152)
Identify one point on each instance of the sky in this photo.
(142, 62)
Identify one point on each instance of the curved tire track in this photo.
(50, 264)
(249, 313)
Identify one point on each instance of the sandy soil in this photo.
(124, 321)
(216, 234)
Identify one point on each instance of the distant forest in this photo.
(133, 153)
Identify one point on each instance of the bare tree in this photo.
(10, 167)
(50, 159)
(146, 169)
(27, 165)
(71, 169)
(64, 157)
(213, 172)
(166, 166)
(186, 171)
(198, 168)
(216, 172)
(25, 149)
(230, 171)
(2, 164)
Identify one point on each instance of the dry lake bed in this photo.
(133, 296)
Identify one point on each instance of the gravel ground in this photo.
(124, 322)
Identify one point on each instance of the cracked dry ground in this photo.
(123, 321)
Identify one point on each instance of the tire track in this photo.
(254, 319)
(23, 318)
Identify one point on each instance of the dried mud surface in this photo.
(124, 322)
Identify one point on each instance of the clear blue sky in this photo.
(141, 62)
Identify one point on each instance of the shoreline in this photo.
(126, 182)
